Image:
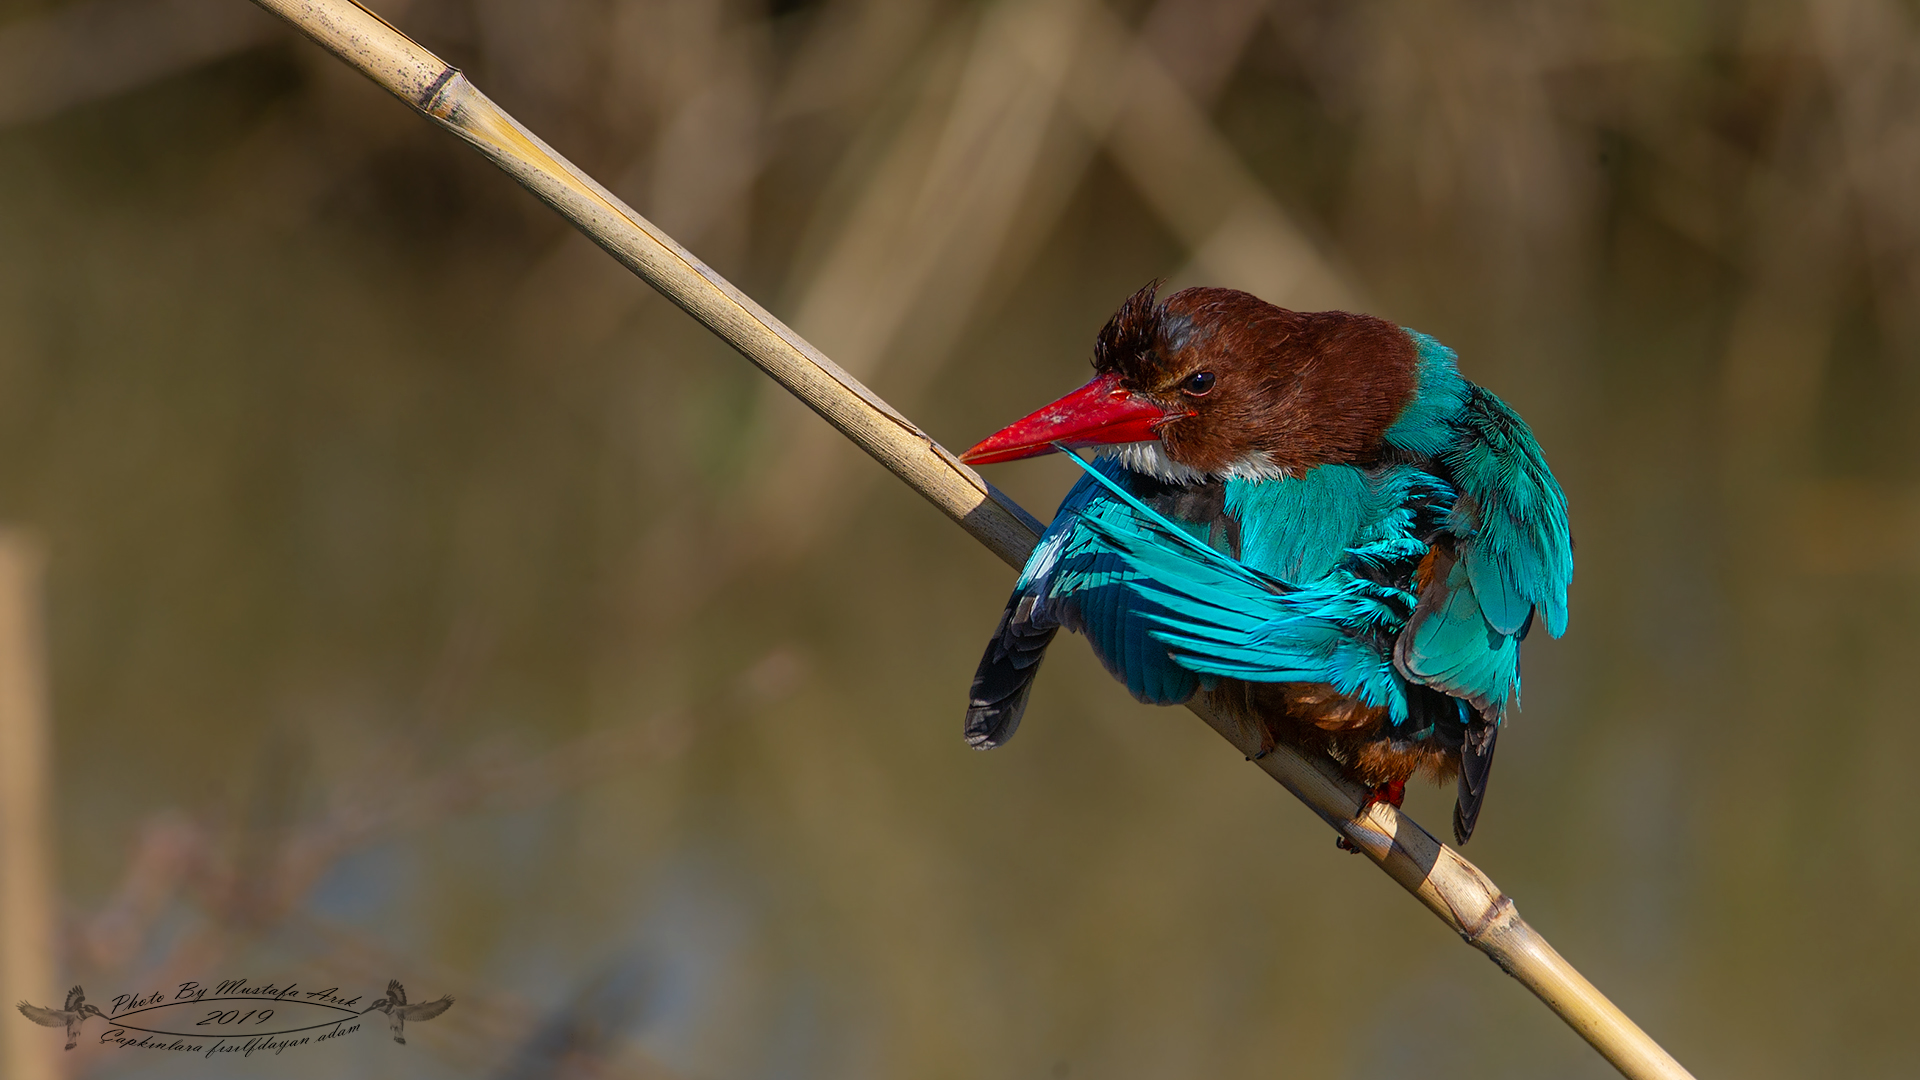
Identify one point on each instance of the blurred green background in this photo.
(429, 599)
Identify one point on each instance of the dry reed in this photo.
(28, 912)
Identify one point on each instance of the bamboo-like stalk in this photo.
(29, 928)
(1453, 888)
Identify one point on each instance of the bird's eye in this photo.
(1198, 384)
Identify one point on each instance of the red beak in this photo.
(1098, 413)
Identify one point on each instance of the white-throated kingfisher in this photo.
(1309, 519)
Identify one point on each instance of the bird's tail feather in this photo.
(1476, 766)
(1000, 686)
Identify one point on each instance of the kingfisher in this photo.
(399, 1012)
(70, 1016)
(1310, 521)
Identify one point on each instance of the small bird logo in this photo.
(398, 1011)
(70, 1017)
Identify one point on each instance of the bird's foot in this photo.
(1267, 743)
(1393, 793)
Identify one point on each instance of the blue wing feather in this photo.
(1451, 646)
(1508, 530)
(1078, 582)
(1511, 517)
(1220, 617)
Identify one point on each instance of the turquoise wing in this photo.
(1511, 518)
(1074, 580)
(1217, 616)
(1451, 645)
(1505, 557)
(1079, 582)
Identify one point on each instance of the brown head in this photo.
(1224, 383)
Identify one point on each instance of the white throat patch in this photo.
(1150, 459)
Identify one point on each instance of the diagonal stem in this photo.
(1453, 888)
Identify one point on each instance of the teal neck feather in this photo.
(1425, 425)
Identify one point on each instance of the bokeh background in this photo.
(427, 599)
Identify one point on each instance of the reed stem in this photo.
(29, 916)
(1450, 886)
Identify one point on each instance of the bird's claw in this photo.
(1393, 793)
